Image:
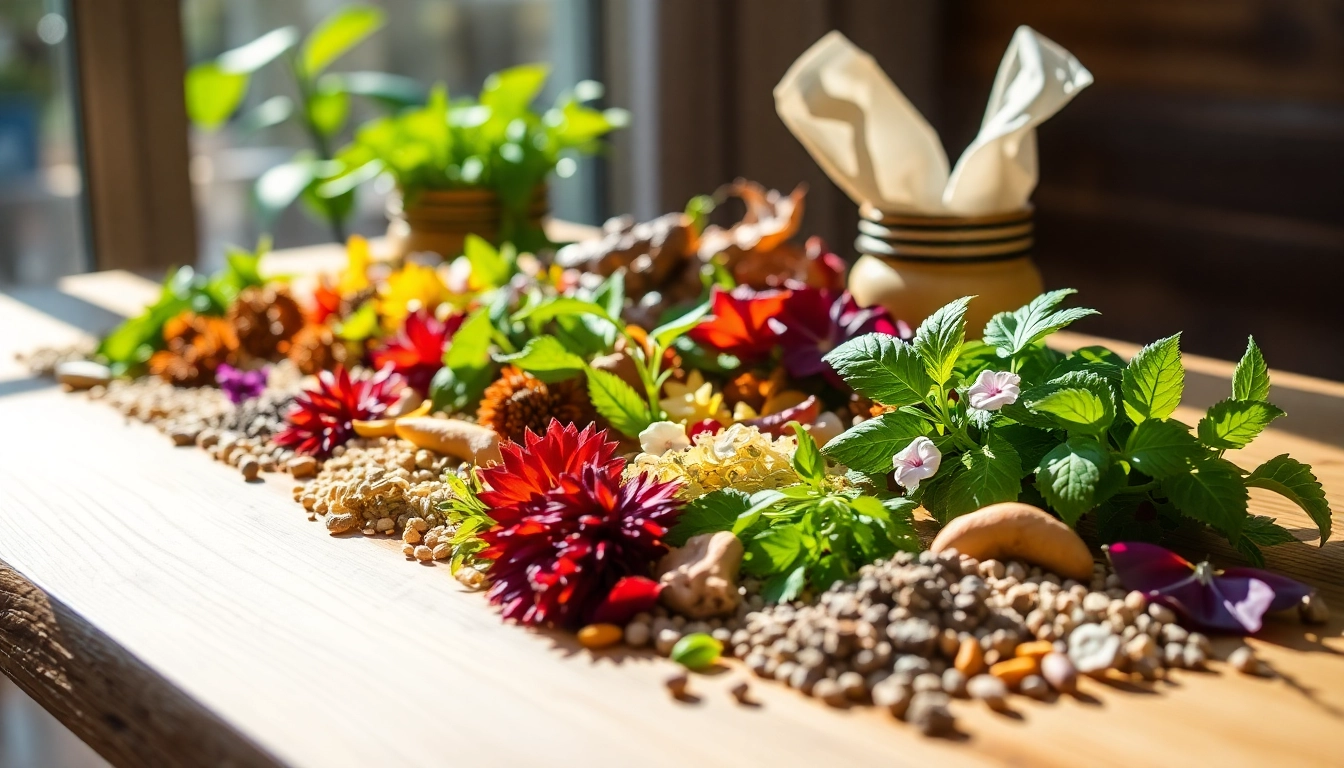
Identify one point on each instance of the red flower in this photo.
(326, 303)
(567, 529)
(534, 468)
(322, 419)
(416, 352)
(740, 324)
(557, 559)
(813, 322)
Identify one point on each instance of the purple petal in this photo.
(1287, 592)
(1148, 567)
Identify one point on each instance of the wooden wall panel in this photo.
(130, 61)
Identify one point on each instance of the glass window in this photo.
(454, 42)
(43, 233)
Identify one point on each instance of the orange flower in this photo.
(740, 324)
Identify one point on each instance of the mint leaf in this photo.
(1212, 493)
(784, 587)
(1160, 448)
(562, 307)
(618, 403)
(546, 358)
(1098, 360)
(488, 266)
(870, 445)
(976, 356)
(989, 475)
(882, 368)
(1012, 332)
(672, 330)
(1235, 423)
(938, 340)
(1068, 476)
(470, 347)
(773, 550)
(1250, 381)
(1030, 443)
(1294, 481)
(807, 460)
(1154, 380)
(1076, 409)
(715, 511)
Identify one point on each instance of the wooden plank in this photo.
(235, 623)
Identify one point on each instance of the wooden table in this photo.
(171, 614)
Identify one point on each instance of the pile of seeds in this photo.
(43, 360)
(383, 485)
(915, 631)
(159, 403)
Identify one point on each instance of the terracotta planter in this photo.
(912, 265)
(438, 221)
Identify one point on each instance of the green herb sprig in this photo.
(1089, 433)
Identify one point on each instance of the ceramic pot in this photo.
(438, 221)
(912, 265)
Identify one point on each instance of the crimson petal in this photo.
(630, 595)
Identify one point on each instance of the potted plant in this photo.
(476, 165)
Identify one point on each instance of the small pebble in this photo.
(741, 690)
(853, 685)
(1161, 613)
(637, 634)
(928, 682)
(989, 689)
(892, 694)
(830, 692)
(1313, 609)
(250, 467)
(954, 682)
(1194, 657)
(665, 640)
(1034, 686)
(929, 713)
(1244, 661)
(1059, 672)
(677, 683)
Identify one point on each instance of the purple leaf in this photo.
(1234, 600)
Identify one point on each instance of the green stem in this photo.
(1130, 490)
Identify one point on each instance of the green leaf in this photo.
(510, 91)
(1250, 380)
(672, 330)
(618, 403)
(990, 475)
(488, 266)
(1012, 332)
(870, 445)
(337, 34)
(882, 368)
(267, 114)
(1235, 423)
(773, 550)
(976, 356)
(458, 390)
(213, 95)
(248, 58)
(1068, 476)
(784, 587)
(359, 325)
(1154, 380)
(1161, 448)
(327, 110)
(394, 91)
(1030, 443)
(938, 339)
(563, 307)
(470, 347)
(715, 511)
(1262, 531)
(807, 460)
(280, 186)
(546, 358)
(1076, 409)
(1212, 493)
(1294, 480)
(1096, 360)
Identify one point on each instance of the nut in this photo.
(451, 437)
(1059, 672)
(1013, 671)
(596, 636)
(1012, 530)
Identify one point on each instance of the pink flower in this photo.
(917, 461)
(994, 389)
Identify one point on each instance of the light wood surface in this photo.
(171, 614)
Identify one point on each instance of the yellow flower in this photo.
(694, 401)
(355, 278)
(414, 286)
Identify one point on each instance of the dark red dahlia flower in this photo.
(740, 322)
(322, 419)
(532, 469)
(416, 352)
(558, 557)
(812, 322)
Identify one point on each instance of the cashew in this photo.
(1015, 531)
(451, 437)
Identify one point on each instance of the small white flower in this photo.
(826, 427)
(994, 389)
(917, 461)
(459, 275)
(663, 436)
